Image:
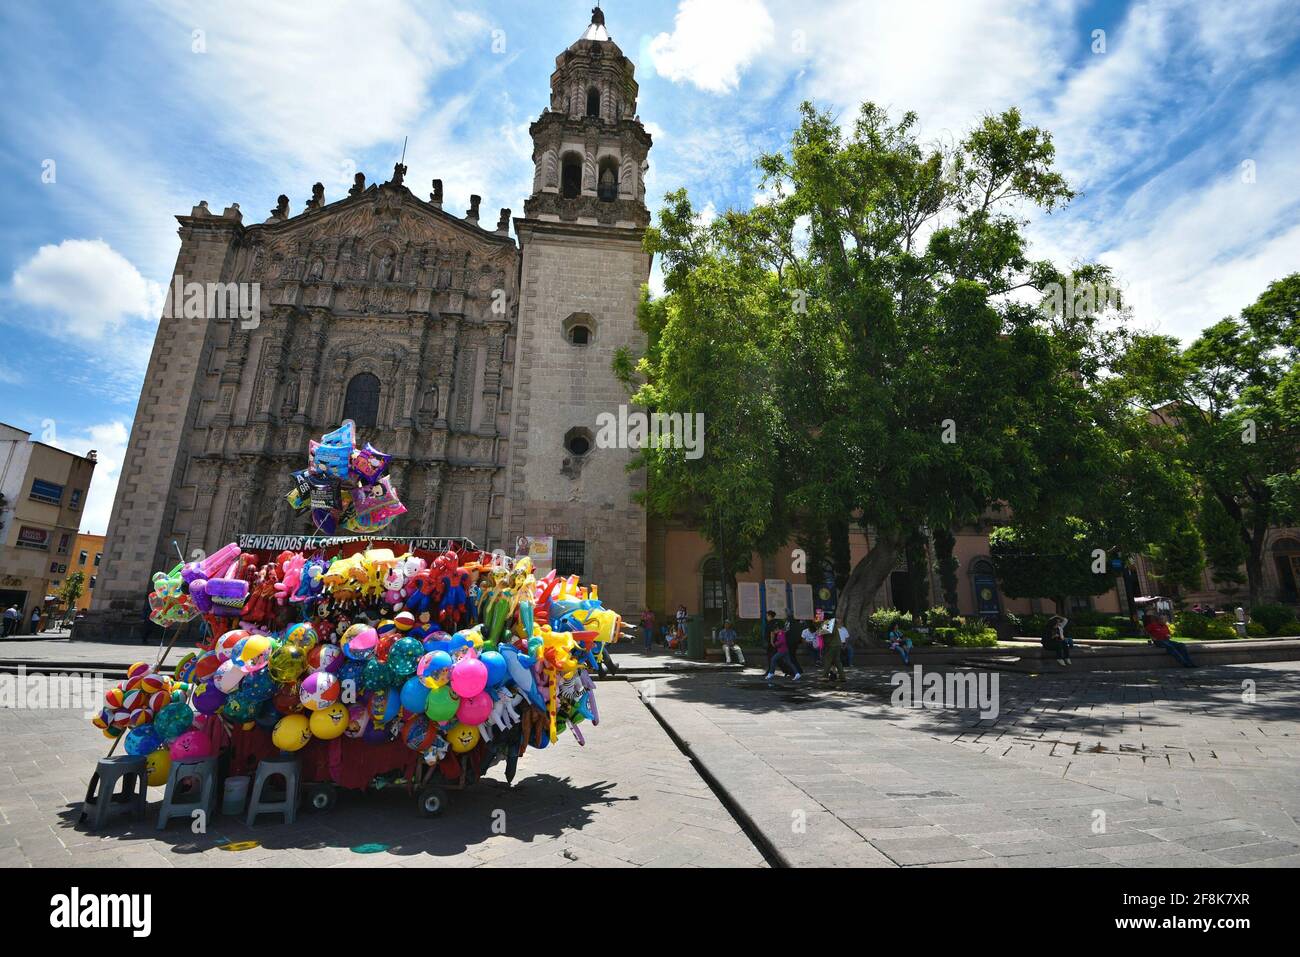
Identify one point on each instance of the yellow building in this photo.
(42, 494)
(86, 557)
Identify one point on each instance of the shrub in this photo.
(1255, 630)
(918, 638)
(1290, 630)
(1188, 624)
(1221, 629)
(1272, 617)
(975, 638)
(882, 619)
(941, 617)
(945, 636)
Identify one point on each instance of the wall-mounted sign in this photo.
(29, 537)
(748, 600)
(801, 598)
(774, 596)
(540, 548)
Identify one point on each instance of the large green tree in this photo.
(870, 345)
(1232, 401)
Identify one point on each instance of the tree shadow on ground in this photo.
(1095, 704)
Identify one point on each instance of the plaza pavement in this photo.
(629, 798)
(1164, 769)
(1168, 768)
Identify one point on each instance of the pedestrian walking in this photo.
(792, 643)
(809, 637)
(11, 620)
(36, 620)
(780, 652)
(831, 648)
(729, 643)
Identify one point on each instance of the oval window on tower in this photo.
(578, 442)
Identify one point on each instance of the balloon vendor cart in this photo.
(374, 661)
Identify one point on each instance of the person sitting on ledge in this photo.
(1158, 631)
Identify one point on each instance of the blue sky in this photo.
(1178, 125)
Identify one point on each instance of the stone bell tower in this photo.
(581, 272)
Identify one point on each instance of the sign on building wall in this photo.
(774, 594)
(29, 537)
(801, 598)
(540, 548)
(748, 601)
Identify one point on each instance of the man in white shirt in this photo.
(846, 646)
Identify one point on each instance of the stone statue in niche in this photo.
(384, 267)
(317, 269)
(291, 394)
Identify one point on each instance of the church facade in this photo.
(478, 360)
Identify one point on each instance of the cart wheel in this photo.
(322, 796)
(432, 800)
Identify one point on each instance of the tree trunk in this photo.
(944, 544)
(854, 606)
(1255, 563)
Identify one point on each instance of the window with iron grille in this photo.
(50, 492)
(570, 558)
(361, 403)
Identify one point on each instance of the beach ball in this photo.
(441, 704)
(225, 646)
(378, 676)
(228, 676)
(240, 709)
(432, 666)
(319, 690)
(325, 658)
(495, 663)
(405, 655)
(206, 666)
(142, 740)
(288, 662)
(330, 722)
(303, 634)
(252, 653)
(259, 686)
(185, 667)
(191, 746)
(404, 621)
(291, 732)
(468, 677)
(173, 720)
(463, 737)
(158, 764)
(413, 695)
(475, 709)
(360, 642)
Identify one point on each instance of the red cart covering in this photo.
(347, 762)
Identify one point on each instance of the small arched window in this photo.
(593, 102)
(571, 176)
(579, 335)
(579, 329)
(607, 181)
(361, 403)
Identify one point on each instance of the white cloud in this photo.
(712, 42)
(86, 288)
(108, 439)
(951, 61)
(316, 83)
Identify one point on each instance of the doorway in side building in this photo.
(18, 599)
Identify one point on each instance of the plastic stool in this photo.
(287, 768)
(100, 800)
(205, 772)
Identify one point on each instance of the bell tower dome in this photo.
(589, 147)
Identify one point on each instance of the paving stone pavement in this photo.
(629, 798)
(1180, 769)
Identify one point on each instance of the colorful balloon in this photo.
(292, 732)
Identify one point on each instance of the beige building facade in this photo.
(480, 363)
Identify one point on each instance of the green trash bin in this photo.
(694, 638)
